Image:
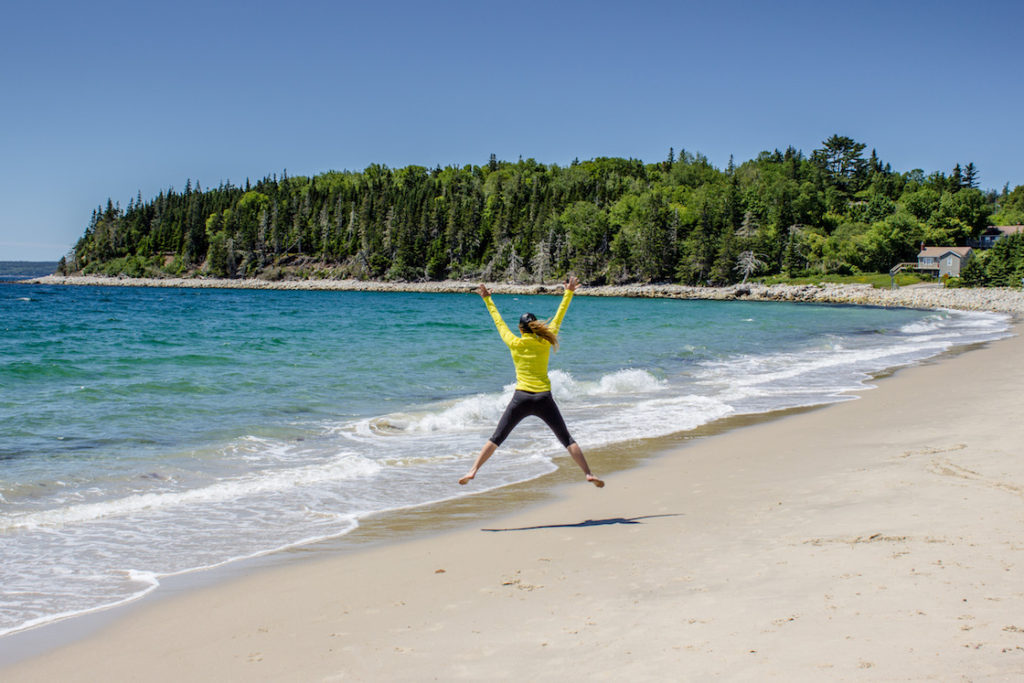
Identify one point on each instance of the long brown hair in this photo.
(540, 328)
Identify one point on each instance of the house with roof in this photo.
(993, 233)
(941, 261)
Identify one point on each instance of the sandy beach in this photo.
(875, 539)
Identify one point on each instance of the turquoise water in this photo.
(150, 432)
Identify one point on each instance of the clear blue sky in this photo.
(105, 99)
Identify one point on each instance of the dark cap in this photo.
(525, 319)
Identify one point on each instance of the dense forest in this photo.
(608, 220)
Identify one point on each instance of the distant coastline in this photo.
(12, 270)
(1002, 300)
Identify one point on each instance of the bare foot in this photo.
(595, 481)
(465, 479)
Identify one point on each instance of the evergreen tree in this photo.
(541, 261)
(840, 159)
(792, 259)
(749, 227)
(970, 176)
(724, 266)
(956, 181)
(874, 165)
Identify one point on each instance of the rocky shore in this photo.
(990, 299)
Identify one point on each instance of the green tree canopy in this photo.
(605, 219)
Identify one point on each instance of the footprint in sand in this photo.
(933, 450)
(948, 468)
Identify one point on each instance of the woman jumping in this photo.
(530, 353)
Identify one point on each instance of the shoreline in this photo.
(1002, 300)
(391, 526)
(860, 570)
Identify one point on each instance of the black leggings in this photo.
(525, 403)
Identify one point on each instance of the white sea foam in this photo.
(342, 468)
(927, 325)
(49, 618)
(621, 406)
(481, 411)
(100, 592)
(631, 381)
(649, 418)
(463, 414)
(760, 382)
(774, 369)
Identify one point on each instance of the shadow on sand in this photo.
(589, 522)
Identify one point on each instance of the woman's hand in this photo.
(572, 283)
(483, 291)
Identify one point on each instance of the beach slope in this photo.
(875, 539)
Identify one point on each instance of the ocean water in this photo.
(151, 432)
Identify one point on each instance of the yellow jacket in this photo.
(530, 353)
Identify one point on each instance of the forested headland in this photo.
(608, 220)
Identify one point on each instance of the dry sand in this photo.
(876, 539)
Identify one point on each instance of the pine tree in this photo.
(324, 224)
(874, 166)
(514, 271)
(840, 158)
(970, 176)
(792, 260)
(541, 261)
(749, 227)
(734, 204)
(725, 260)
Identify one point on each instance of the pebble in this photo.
(998, 299)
